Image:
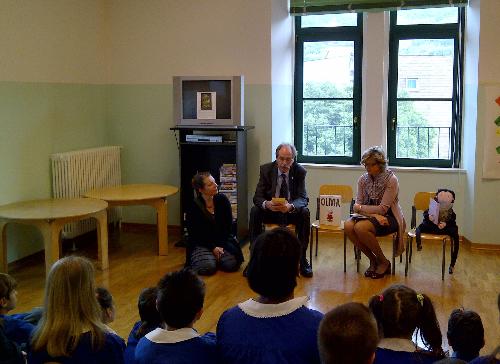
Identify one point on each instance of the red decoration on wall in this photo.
(498, 100)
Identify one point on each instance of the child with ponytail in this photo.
(399, 311)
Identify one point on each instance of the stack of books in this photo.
(228, 185)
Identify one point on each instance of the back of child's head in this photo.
(70, 308)
(7, 286)
(150, 317)
(105, 300)
(348, 334)
(399, 310)
(274, 263)
(465, 332)
(180, 298)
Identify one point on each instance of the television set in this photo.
(208, 100)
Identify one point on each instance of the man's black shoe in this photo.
(305, 269)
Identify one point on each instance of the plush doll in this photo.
(444, 224)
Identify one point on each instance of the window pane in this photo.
(328, 69)
(428, 16)
(327, 128)
(425, 68)
(329, 20)
(424, 129)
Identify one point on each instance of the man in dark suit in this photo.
(283, 178)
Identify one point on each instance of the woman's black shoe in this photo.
(451, 269)
(376, 275)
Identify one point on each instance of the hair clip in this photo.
(420, 298)
(381, 298)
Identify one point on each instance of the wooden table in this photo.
(141, 194)
(50, 216)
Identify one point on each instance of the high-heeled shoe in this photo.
(451, 269)
(376, 275)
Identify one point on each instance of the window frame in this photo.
(453, 31)
(318, 34)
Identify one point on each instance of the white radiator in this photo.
(79, 171)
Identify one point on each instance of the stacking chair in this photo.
(346, 192)
(421, 203)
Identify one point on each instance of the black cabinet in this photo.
(208, 148)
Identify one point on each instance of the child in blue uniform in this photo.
(14, 327)
(71, 329)
(348, 334)
(399, 311)
(150, 320)
(180, 303)
(274, 327)
(465, 334)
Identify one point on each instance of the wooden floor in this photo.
(135, 265)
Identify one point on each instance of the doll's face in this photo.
(445, 199)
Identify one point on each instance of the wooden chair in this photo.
(346, 192)
(420, 203)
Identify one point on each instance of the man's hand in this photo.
(278, 207)
(217, 252)
(441, 225)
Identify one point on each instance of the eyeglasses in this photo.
(370, 164)
(282, 159)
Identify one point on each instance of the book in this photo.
(330, 210)
(279, 200)
(434, 211)
(358, 216)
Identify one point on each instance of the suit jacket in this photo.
(268, 179)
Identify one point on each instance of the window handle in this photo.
(356, 122)
(394, 122)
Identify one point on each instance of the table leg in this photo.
(3, 247)
(102, 239)
(50, 232)
(161, 214)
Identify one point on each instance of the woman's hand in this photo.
(382, 220)
(217, 252)
(441, 225)
(356, 207)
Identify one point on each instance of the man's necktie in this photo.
(284, 187)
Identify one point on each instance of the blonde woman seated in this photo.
(376, 199)
(71, 330)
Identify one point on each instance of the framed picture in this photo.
(206, 105)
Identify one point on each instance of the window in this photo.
(425, 74)
(328, 88)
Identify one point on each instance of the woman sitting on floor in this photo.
(211, 245)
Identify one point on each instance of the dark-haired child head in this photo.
(8, 293)
(348, 334)
(399, 311)
(150, 317)
(105, 300)
(180, 298)
(274, 264)
(465, 333)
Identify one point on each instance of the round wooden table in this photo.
(154, 195)
(50, 216)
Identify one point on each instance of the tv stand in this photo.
(197, 155)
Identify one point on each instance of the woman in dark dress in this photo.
(211, 245)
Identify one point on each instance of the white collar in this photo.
(110, 330)
(397, 344)
(262, 310)
(162, 336)
(280, 173)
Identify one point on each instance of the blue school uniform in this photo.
(494, 358)
(254, 333)
(132, 341)
(182, 346)
(110, 352)
(397, 351)
(16, 329)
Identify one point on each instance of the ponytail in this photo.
(428, 326)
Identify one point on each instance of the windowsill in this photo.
(393, 168)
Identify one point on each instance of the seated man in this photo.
(283, 178)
